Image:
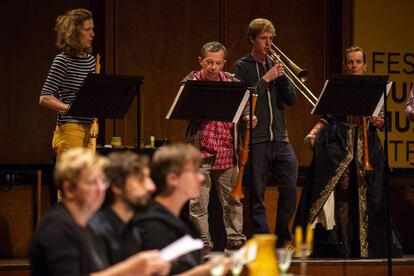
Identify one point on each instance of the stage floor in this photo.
(321, 267)
(355, 267)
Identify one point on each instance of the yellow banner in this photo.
(384, 29)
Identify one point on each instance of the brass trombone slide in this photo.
(296, 75)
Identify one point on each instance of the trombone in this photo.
(296, 75)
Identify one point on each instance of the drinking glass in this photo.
(237, 262)
(217, 263)
(284, 257)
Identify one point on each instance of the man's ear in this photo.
(251, 39)
(200, 59)
(172, 179)
(116, 190)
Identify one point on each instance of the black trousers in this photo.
(278, 161)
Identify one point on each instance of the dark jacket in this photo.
(62, 247)
(159, 227)
(120, 240)
(271, 121)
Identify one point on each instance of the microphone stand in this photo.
(386, 188)
(252, 91)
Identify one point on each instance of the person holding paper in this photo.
(175, 171)
(62, 243)
(69, 69)
(216, 141)
(271, 153)
(341, 198)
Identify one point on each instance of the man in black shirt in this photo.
(131, 189)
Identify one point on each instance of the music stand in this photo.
(209, 101)
(352, 95)
(364, 96)
(107, 96)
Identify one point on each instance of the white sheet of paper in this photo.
(381, 102)
(180, 247)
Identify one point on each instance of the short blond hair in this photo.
(355, 49)
(71, 163)
(259, 25)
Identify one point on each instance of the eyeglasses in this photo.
(98, 182)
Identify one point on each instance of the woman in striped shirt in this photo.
(66, 76)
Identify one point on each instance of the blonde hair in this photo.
(355, 49)
(259, 25)
(68, 28)
(71, 163)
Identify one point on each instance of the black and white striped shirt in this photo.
(65, 78)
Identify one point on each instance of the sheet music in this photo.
(381, 101)
(241, 106)
(320, 96)
(175, 101)
(180, 247)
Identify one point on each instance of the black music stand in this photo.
(106, 96)
(209, 101)
(341, 95)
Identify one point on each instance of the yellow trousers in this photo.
(70, 135)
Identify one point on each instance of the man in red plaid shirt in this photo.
(216, 143)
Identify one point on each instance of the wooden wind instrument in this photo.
(94, 126)
(244, 155)
(367, 165)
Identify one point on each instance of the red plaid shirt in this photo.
(216, 138)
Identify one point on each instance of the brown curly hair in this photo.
(68, 31)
